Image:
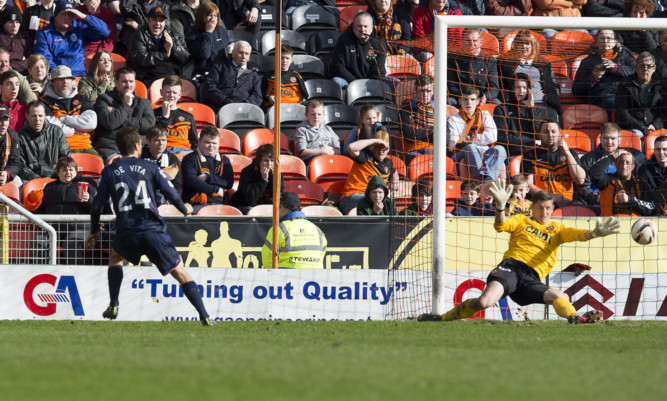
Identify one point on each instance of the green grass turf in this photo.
(469, 360)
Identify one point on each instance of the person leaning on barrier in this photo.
(301, 244)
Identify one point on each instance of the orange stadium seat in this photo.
(326, 169)
(488, 107)
(399, 66)
(336, 187)
(573, 211)
(117, 60)
(239, 162)
(628, 140)
(421, 167)
(257, 137)
(36, 184)
(586, 118)
(347, 15)
(11, 191)
(229, 142)
(292, 168)
(261, 211)
(309, 192)
(219, 210)
(188, 92)
(558, 65)
(169, 210)
(649, 141)
(450, 165)
(452, 193)
(452, 111)
(319, 210)
(429, 66)
(490, 43)
(569, 44)
(515, 165)
(402, 193)
(204, 115)
(574, 66)
(508, 39)
(576, 140)
(141, 90)
(399, 166)
(88, 165)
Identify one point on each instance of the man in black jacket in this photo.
(10, 153)
(117, 109)
(654, 173)
(638, 98)
(357, 54)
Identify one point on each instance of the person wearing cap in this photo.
(301, 244)
(10, 153)
(70, 110)
(62, 41)
(135, 15)
(12, 39)
(155, 51)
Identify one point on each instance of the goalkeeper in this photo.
(532, 252)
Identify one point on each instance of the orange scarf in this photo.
(609, 54)
(384, 22)
(473, 125)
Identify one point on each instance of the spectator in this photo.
(654, 174)
(35, 18)
(416, 116)
(313, 137)
(599, 74)
(472, 7)
(518, 119)
(232, 80)
(92, 7)
(117, 109)
(242, 15)
(38, 74)
(180, 125)
(621, 194)
(42, 144)
(25, 95)
(391, 24)
(155, 151)
(183, 15)
(155, 52)
(206, 173)
(422, 200)
(639, 99)
(518, 203)
(553, 167)
(358, 54)
(61, 42)
(524, 57)
(469, 205)
(638, 41)
(370, 158)
(473, 68)
(472, 138)
(292, 89)
(423, 23)
(605, 8)
(9, 90)
(207, 38)
(508, 7)
(99, 79)
(369, 124)
(609, 141)
(10, 153)
(256, 181)
(660, 54)
(134, 14)
(376, 201)
(562, 8)
(69, 110)
(12, 39)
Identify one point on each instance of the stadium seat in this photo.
(291, 115)
(313, 18)
(239, 162)
(390, 117)
(341, 117)
(310, 67)
(586, 118)
(229, 142)
(362, 91)
(402, 193)
(450, 165)
(488, 107)
(88, 165)
(326, 169)
(399, 166)
(508, 39)
(347, 15)
(168, 210)
(649, 141)
(421, 167)
(219, 210)
(352, 212)
(319, 210)
(399, 66)
(490, 43)
(204, 115)
(576, 140)
(574, 66)
(429, 66)
(35, 184)
(257, 137)
(292, 168)
(267, 14)
(263, 64)
(558, 65)
(573, 211)
(309, 192)
(566, 95)
(323, 42)
(117, 60)
(628, 140)
(188, 92)
(240, 117)
(140, 89)
(261, 211)
(294, 39)
(515, 165)
(452, 193)
(570, 44)
(235, 35)
(112, 159)
(452, 111)
(11, 191)
(325, 90)
(336, 187)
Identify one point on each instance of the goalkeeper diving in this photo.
(532, 253)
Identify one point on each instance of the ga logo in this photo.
(65, 292)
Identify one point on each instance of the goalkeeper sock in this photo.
(115, 276)
(564, 308)
(191, 291)
(463, 310)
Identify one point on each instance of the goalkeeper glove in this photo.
(501, 193)
(606, 227)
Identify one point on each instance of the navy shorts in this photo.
(520, 281)
(157, 246)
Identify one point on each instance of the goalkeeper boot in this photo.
(429, 317)
(207, 321)
(590, 317)
(110, 313)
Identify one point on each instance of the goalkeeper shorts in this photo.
(521, 282)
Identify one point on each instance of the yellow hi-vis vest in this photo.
(301, 245)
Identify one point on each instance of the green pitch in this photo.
(319, 361)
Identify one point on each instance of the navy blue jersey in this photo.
(131, 183)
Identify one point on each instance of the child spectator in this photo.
(9, 91)
(12, 39)
(376, 202)
(422, 200)
(155, 151)
(469, 205)
(313, 138)
(293, 89)
(369, 123)
(180, 125)
(517, 203)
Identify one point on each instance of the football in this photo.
(644, 231)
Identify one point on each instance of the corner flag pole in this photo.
(276, 132)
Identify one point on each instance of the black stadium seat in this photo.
(294, 39)
(240, 117)
(313, 18)
(308, 66)
(341, 118)
(325, 90)
(291, 115)
(323, 42)
(362, 91)
(235, 35)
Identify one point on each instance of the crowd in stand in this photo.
(61, 94)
